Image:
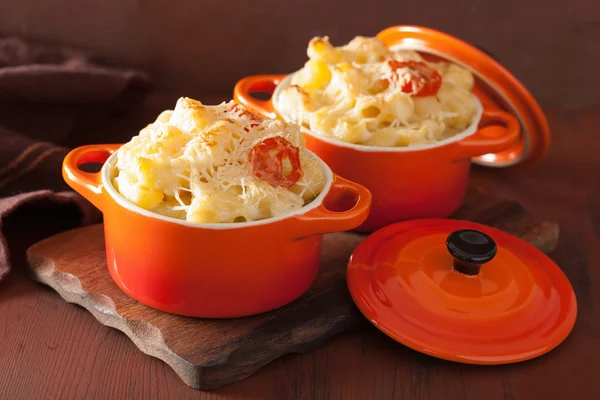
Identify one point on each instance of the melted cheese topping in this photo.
(344, 93)
(192, 164)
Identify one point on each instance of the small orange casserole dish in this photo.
(212, 270)
(428, 180)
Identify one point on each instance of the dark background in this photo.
(197, 47)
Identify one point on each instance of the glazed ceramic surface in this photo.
(495, 86)
(213, 270)
(406, 182)
(429, 181)
(462, 291)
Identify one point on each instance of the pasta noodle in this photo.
(193, 163)
(364, 93)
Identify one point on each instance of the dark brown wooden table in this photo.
(51, 349)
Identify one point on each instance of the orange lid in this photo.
(494, 85)
(461, 291)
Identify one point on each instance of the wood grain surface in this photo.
(52, 349)
(209, 353)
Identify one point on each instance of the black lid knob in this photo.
(470, 249)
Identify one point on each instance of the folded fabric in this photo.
(46, 92)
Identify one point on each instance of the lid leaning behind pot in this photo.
(493, 84)
(461, 291)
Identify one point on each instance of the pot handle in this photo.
(345, 207)
(242, 93)
(87, 184)
(497, 131)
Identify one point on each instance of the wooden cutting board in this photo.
(208, 354)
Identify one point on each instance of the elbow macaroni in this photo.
(345, 92)
(192, 164)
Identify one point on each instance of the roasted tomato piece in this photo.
(267, 160)
(415, 77)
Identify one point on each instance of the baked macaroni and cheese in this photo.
(365, 93)
(217, 164)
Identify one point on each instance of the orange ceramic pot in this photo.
(212, 270)
(406, 182)
(424, 181)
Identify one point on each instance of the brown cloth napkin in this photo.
(46, 94)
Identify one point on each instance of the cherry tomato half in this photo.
(417, 78)
(267, 157)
